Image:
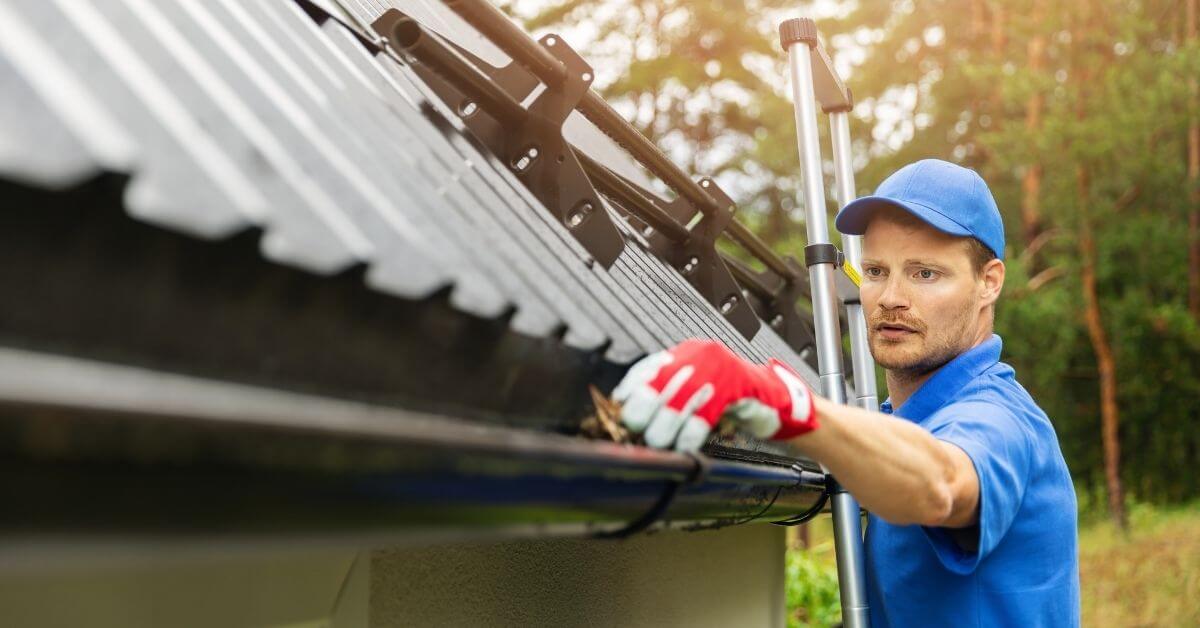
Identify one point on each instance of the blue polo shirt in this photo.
(1020, 566)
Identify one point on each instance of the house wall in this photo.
(730, 577)
(196, 589)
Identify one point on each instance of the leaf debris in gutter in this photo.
(605, 424)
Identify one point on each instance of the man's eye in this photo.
(871, 271)
(925, 273)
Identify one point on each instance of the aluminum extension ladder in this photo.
(815, 81)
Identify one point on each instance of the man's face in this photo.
(923, 301)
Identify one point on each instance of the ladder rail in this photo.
(799, 39)
(821, 279)
(866, 393)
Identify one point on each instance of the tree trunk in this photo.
(1031, 183)
(1193, 177)
(999, 36)
(1105, 362)
(777, 218)
(993, 108)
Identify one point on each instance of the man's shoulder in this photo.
(994, 397)
(996, 401)
(997, 387)
(992, 392)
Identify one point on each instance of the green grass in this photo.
(1150, 577)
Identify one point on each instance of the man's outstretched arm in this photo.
(896, 469)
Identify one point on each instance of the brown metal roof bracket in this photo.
(636, 202)
(773, 293)
(690, 251)
(775, 299)
(529, 140)
(699, 262)
(501, 31)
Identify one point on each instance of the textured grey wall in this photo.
(314, 589)
(730, 577)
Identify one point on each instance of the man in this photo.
(973, 514)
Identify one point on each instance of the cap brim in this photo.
(853, 218)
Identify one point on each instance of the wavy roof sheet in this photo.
(229, 116)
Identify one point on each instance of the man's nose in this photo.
(893, 295)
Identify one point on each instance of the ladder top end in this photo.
(842, 107)
(798, 30)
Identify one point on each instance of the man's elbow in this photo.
(943, 494)
(929, 505)
(937, 505)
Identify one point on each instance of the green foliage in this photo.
(812, 589)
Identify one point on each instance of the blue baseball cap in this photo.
(948, 197)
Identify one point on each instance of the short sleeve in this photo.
(1000, 448)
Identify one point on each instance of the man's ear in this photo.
(992, 281)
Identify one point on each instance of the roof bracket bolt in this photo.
(525, 159)
(579, 214)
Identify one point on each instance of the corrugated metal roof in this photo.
(230, 115)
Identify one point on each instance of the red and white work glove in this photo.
(679, 395)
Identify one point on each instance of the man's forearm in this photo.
(895, 469)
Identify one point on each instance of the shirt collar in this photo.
(947, 381)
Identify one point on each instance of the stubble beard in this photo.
(938, 347)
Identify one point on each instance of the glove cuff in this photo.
(798, 412)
